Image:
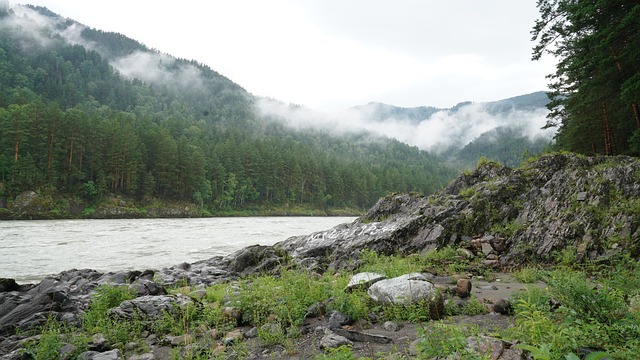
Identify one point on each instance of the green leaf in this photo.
(597, 355)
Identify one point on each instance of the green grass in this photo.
(587, 305)
(528, 274)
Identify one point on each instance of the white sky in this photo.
(333, 54)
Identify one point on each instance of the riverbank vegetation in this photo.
(579, 310)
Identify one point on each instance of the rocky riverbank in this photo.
(559, 207)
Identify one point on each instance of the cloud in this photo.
(37, 30)
(31, 26)
(443, 130)
(159, 68)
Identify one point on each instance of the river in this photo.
(31, 250)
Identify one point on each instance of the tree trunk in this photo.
(634, 106)
(608, 138)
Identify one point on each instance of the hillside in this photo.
(88, 116)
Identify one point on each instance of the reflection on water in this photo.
(30, 250)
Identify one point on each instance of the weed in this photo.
(566, 257)
(527, 275)
(441, 340)
(272, 334)
(572, 290)
(340, 353)
(50, 342)
(473, 307)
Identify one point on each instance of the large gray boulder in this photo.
(409, 289)
(403, 290)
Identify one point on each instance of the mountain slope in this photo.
(93, 115)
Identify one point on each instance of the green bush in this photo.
(600, 303)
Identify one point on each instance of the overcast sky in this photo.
(333, 54)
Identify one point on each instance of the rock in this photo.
(87, 355)
(502, 306)
(413, 347)
(491, 263)
(405, 289)
(66, 351)
(34, 310)
(465, 253)
(232, 337)
(149, 307)
(94, 355)
(581, 196)
(498, 244)
(162, 353)
(98, 343)
(232, 313)
(463, 288)
(271, 329)
(488, 287)
(254, 259)
(486, 346)
(513, 354)
(198, 294)
(332, 341)
(251, 333)
(487, 248)
(146, 356)
(337, 319)
(391, 326)
(409, 289)
(362, 337)
(143, 287)
(363, 280)
(7, 285)
(180, 340)
(315, 310)
(634, 304)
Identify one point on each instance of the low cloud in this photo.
(443, 130)
(151, 67)
(31, 26)
(156, 68)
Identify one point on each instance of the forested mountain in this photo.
(90, 113)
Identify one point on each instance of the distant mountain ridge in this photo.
(380, 111)
(509, 137)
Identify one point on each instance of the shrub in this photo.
(600, 303)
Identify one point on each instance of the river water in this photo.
(30, 250)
